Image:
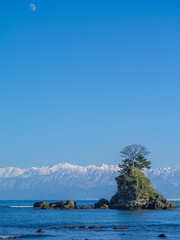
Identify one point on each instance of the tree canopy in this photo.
(134, 157)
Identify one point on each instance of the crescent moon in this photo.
(32, 7)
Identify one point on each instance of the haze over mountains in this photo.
(66, 181)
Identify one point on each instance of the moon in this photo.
(32, 7)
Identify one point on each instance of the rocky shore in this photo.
(116, 203)
(69, 205)
(134, 192)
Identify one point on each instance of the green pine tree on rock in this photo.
(134, 189)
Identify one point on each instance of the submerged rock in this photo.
(84, 207)
(40, 231)
(75, 227)
(121, 227)
(94, 227)
(72, 227)
(162, 235)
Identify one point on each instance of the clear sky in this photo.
(81, 79)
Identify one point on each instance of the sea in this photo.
(19, 220)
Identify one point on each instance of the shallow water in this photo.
(19, 219)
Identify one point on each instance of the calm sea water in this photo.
(18, 218)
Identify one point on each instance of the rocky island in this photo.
(134, 190)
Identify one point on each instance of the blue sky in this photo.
(79, 80)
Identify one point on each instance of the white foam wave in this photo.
(7, 237)
(20, 206)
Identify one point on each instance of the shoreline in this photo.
(173, 199)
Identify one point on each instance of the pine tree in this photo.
(136, 158)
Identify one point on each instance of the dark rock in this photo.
(114, 199)
(56, 205)
(52, 205)
(63, 205)
(68, 205)
(121, 227)
(170, 205)
(74, 227)
(102, 204)
(94, 227)
(40, 231)
(41, 205)
(123, 234)
(84, 207)
(162, 235)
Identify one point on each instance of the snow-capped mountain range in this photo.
(66, 181)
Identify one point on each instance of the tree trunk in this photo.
(133, 163)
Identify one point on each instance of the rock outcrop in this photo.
(135, 192)
(41, 205)
(40, 231)
(65, 205)
(102, 204)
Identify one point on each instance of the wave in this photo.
(8, 237)
(24, 236)
(20, 206)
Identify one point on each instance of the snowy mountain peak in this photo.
(64, 180)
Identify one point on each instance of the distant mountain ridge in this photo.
(66, 181)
